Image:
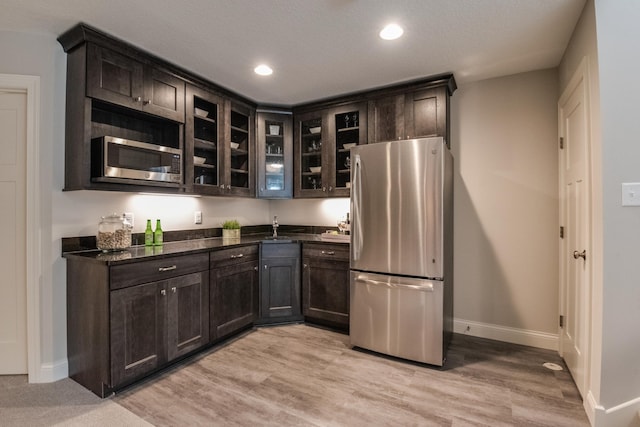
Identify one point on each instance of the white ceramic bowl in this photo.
(315, 169)
(199, 160)
(235, 145)
(200, 112)
(315, 129)
(349, 146)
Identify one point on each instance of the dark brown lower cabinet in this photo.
(155, 323)
(124, 321)
(280, 283)
(325, 284)
(234, 290)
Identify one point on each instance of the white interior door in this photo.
(13, 289)
(575, 218)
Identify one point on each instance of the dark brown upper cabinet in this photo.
(204, 142)
(275, 155)
(239, 150)
(413, 113)
(323, 140)
(122, 80)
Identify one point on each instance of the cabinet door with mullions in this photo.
(275, 151)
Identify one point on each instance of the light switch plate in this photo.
(197, 217)
(631, 194)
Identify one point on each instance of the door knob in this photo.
(582, 254)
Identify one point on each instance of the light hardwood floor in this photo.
(298, 375)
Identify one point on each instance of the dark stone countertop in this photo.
(184, 247)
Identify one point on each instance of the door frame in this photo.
(581, 75)
(31, 85)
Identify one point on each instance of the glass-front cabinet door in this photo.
(311, 156)
(348, 129)
(323, 142)
(275, 155)
(240, 161)
(204, 132)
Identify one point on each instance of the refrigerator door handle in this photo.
(428, 287)
(356, 232)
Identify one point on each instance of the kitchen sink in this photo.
(279, 239)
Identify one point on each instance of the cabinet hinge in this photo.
(561, 321)
(561, 143)
(562, 232)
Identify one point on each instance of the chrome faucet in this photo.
(275, 226)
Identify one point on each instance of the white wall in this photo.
(33, 54)
(619, 67)
(504, 134)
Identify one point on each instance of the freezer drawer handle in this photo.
(173, 267)
(425, 287)
(328, 252)
(237, 256)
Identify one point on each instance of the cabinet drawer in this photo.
(137, 273)
(328, 251)
(230, 256)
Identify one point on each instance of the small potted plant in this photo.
(231, 229)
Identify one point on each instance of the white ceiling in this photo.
(321, 48)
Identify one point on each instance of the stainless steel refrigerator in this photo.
(401, 285)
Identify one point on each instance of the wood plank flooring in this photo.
(298, 375)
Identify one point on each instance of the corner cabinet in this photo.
(323, 140)
(280, 283)
(275, 155)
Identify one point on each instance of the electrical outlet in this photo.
(129, 217)
(197, 217)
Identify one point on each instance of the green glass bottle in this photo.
(148, 234)
(157, 234)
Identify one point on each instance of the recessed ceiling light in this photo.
(391, 32)
(263, 70)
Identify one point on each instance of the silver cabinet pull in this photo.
(330, 188)
(222, 186)
(324, 189)
(137, 99)
(237, 256)
(305, 265)
(173, 267)
(265, 266)
(228, 186)
(328, 252)
(163, 292)
(173, 289)
(255, 268)
(146, 102)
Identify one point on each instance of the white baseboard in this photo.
(625, 414)
(51, 372)
(506, 334)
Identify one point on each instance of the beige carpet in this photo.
(63, 403)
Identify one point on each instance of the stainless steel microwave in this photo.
(124, 160)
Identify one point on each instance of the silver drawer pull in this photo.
(163, 292)
(173, 289)
(328, 252)
(173, 267)
(237, 256)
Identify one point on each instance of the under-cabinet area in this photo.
(134, 312)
